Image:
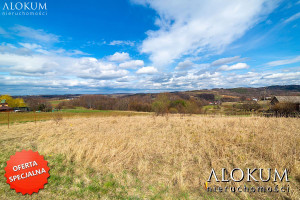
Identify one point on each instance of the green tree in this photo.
(18, 102)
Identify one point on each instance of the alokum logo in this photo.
(24, 8)
(250, 175)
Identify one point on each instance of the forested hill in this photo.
(283, 90)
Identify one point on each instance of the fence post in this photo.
(8, 119)
(34, 117)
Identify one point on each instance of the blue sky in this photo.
(130, 46)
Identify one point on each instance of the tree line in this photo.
(161, 104)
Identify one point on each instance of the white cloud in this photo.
(292, 18)
(283, 76)
(119, 57)
(35, 34)
(30, 45)
(199, 26)
(67, 52)
(9, 48)
(126, 79)
(233, 67)
(284, 62)
(147, 70)
(32, 66)
(224, 61)
(26, 65)
(33, 47)
(187, 64)
(58, 65)
(56, 73)
(120, 42)
(105, 75)
(133, 64)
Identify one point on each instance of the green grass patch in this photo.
(65, 183)
(56, 102)
(66, 113)
(84, 110)
(210, 107)
(71, 180)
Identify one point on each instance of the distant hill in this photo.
(219, 93)
(286, 90)
(295, 88)
(237, 93)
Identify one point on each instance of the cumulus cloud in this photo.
(58, 65)
(26, 65)
(119, 57)
(233, 67)
(147, 70)
(36, 67)
(284, 62)
(185, 65)
(133, 64)
(56, 73)
(199, 26)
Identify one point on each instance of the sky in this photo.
(140, 46)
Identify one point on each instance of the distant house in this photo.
(21, 109)
(4, 106)
(286, 99)
(3, 103)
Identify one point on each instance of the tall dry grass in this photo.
(178, 151)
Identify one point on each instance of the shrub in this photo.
(192, 107)
(173, 110)
(249, 106)
(161, 105)
(39, 104)
(57, 117)
(284, 109)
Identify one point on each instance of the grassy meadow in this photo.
(149, 157)
(23, 117)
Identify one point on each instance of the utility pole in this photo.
(265, 93)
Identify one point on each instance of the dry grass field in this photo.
(23, 117)
(148, 157)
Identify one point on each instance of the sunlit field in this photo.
(23, 117)
(150, 157)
